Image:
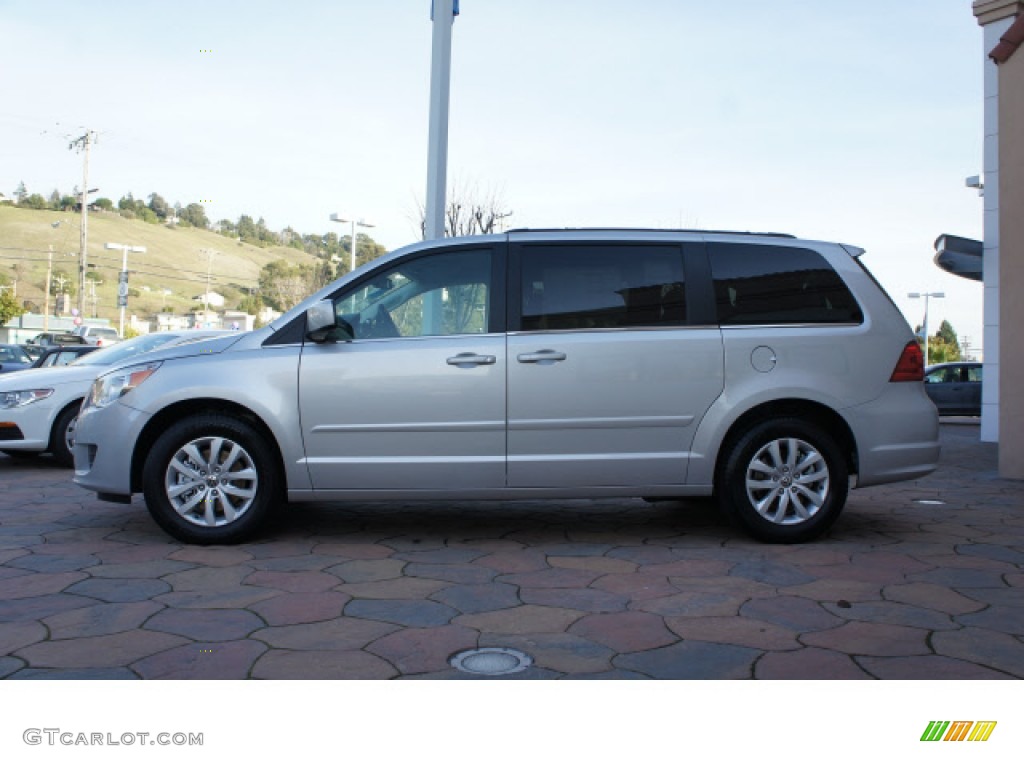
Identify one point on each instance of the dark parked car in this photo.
(955, 388)
(13, 357)
(54, 356)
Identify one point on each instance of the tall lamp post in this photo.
(339, 219)
(442, 16)
(122, 283)
(926, 296)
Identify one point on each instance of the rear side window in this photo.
(776, 285)
(578, 287)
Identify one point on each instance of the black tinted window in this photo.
(568, 287)
(774, 285)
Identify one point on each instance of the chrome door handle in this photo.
(541, 356)
(469, 360)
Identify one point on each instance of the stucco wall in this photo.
(1011, 265)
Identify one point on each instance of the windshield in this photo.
(136, 346)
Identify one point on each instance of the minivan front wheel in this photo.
(783, 481)
(210, 479)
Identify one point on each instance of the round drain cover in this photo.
(491, 661)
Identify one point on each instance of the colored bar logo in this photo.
(959, 730)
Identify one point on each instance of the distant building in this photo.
(212, 298)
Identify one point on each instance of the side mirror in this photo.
(322, 325)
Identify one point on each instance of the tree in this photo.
(104, 203)
(246, 229)
(470, 212)
(9, 307)
(20, 193)
(195, 215)
(35, 200)
(159, 206)
(943, 347)
(127, 203)
(251, 304)
(147, 214)
(54, 201)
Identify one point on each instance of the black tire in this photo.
(63, 431)
(215, 502)
(799, 499)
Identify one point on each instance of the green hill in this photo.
(171, 272)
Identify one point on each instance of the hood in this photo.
(46, 378)
(211, 345)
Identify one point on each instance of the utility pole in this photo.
(209, 265)
(82, 144)
(46, 300)
(92, 295)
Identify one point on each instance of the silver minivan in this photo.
(770, 372)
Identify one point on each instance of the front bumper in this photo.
(104, 446)
(27, 428)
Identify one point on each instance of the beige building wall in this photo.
(1011, 265)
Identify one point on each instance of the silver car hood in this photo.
(212, 345)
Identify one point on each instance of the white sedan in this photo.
(39, 407)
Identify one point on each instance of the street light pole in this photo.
(339, 219)
(442, 16)
(926, 296)
(122, 283)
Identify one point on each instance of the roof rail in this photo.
(651, 229)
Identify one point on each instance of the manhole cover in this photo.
(491, 661)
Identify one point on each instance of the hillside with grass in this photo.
(165, 278)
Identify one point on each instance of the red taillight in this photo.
(911, 364)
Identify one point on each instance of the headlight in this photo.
(107, 389)
(22, 397)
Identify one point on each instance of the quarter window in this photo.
(576, 287)
(776, 285)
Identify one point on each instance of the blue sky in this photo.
(855, 122)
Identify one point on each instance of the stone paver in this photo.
(202, 661)
(735, 630)
(328, 665)
(100, 619)
(300, 608)
(625, 632)
(808, 664)
(605, 589)
(120, 590)
(693, 660)
(206, 625)
(408, 613)
(416, 651)
(101, 651)
(342, 634)
(15, 635)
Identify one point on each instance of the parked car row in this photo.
(93, 335)
(39, 407)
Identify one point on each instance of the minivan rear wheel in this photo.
(783, 481)
(211, 479)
